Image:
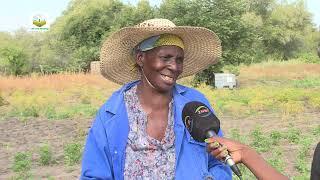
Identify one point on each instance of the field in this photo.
(44, 119)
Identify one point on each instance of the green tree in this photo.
(77, 35)
(285, 29)
(224, 17)
(13, 60)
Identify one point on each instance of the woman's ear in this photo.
(139, 59)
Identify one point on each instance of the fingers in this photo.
(216, 138)
(220, 153)
(235, 149)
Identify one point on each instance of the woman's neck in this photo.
(151, 98)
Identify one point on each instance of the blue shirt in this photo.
(104, 153)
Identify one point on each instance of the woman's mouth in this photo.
(167, 79)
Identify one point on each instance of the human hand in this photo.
(219, 147)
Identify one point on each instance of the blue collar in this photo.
(115, 100)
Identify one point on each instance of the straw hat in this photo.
(202, 49)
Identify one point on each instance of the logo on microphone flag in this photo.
(203, 111)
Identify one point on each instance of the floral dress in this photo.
(147, 157)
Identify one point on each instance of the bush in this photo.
(2, 102)
(293, 135)
(232, 69)
(22, 162)
(309, 57)
(72, 153)
(45, 155)
(275, 137)
(260, 141)
(13, 59)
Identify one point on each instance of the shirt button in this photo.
(115, 152)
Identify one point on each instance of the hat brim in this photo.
(202, 49)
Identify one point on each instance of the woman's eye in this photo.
(165, 58)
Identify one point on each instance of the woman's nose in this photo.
(174, 65)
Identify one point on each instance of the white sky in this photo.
(15, 14)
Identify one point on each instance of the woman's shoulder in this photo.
(188, 91)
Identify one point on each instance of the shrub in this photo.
(309, 82)
(316, 130)
(275, 137)
(301, 163)
(293, 135)
(22, 165)
(308, 58)
(276, 160)
(72, 153)
(232, 69)
(260, 141)
(45, 155)
(1, 100)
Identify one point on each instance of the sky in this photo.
(15, 14)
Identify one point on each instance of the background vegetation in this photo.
(47, 100)
(276, 110)
(251, 31)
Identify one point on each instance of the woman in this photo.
(138, 133)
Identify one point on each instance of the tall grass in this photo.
(61, 96)
(278, 73)
(289, 87)
(261, 99)
(56, 96)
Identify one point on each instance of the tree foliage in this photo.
(250, 31)
(13, 61)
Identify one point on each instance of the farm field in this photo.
(44, 119)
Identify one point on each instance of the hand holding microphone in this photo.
(217, 147)
(202, 124)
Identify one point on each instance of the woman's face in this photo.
(162, 66)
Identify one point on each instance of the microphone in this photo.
(202, 124)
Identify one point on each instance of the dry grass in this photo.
(289, 70)
(68, 95)
(56, 96)
(54, 82)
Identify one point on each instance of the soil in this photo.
(29, 135)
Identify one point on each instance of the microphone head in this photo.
(199, 119)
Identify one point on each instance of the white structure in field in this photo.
(223, 80)
(95, 67)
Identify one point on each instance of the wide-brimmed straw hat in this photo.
(202, 48)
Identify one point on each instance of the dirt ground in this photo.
(29, 135)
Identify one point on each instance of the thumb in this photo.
(232, 145)
(216, 139)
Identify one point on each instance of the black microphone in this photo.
(202, 124)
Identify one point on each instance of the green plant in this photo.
(72, 153)
(275, 137)
(309, 82)
(316, 130)
(293, 135)
(260, 141)
(246, 173)
(276, 161)
(22, 166)
(235, 134)
(45, 155)
(301, 160)
(2, 102)
(232, 69)
(22, 162)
